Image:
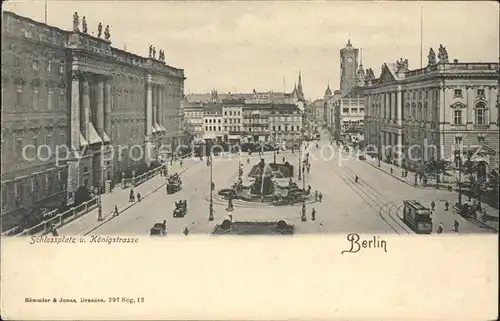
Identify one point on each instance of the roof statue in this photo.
(76, 22)
(150, 55)
(431, 57)
(99, 30)
(369, 75)
(154, 52)
(84, 25)
(107, 35)
(402, 65)
(443, 55)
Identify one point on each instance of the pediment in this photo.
(458, 105)
(386, 76)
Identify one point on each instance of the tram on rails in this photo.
(417, 217)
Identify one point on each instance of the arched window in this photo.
(481, 114)
(426, 111)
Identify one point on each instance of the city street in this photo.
(373, 205)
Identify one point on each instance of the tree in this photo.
(437, 167)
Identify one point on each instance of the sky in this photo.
(245, 45)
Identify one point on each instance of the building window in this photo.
(35, 99)
(225, 113)
(457, 117)
(206, 127)
(49, 100)
(206, 121)
(458, 140)
(219, 128)
(480, 114)
(219, 121)
(19, 96)
(61, 66)
(36, 65)
(480, 92)
(458, 93)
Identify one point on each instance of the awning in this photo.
(93, 136)
(83, 141)
(105, 137)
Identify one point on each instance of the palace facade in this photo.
(82, 104)
(450, 105)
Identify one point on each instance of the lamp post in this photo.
(459, 180)
(211, 205)
(99, 210)
(303, 213)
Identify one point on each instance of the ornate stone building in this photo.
(446, 104)
(76, 98)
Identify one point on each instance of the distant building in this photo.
(447, 104)
(212, 121)
(193, 118)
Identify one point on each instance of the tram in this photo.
(417, 217)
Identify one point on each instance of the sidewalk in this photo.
(410, 178)
(119, 197)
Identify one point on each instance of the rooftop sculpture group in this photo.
(152, 53)
(76, 25)
(402, 65)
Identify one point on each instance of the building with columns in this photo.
(88, 107)
(450, 105)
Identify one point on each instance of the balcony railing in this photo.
(453, 67)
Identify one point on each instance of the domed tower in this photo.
(348, 68)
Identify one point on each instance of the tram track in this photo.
(373, 198)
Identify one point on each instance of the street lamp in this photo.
(99, 210)
(211, 205)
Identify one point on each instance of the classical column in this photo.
(75, 112)
(469, 96)
(99, 96)
(441, 108)
(393, 107)
(160, 105)
(155, 102)
(85, 119)
(107, 108)
(149, 109)
(400, 146)
(399, 108)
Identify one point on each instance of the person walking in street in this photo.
(138, 196)
(440, 228)
(186, 231)
(132, 196)
(54, 231)
(456, 226)
(313, 214)
(316, 195)
(433, 206)
(320, 197)
(116, 211)
(283, 160)
(392, 170)
(446, 205)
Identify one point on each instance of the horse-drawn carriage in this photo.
(180, 209)
(159, 229)
(174, 184)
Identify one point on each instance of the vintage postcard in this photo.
(249, 160)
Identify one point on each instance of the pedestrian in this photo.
(186, 231)
(392, 170)
(440, 228)
(316, 195)
(131, 198)
(313, 214)
(180, 162)
(54, 231)
(99, 213)
(320, 197)
(403, 173)
(433, 205)
(138, 196)
(450, 189)
(446, 205)
(456, 226)
(283, 160)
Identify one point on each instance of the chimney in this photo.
(455, 61)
